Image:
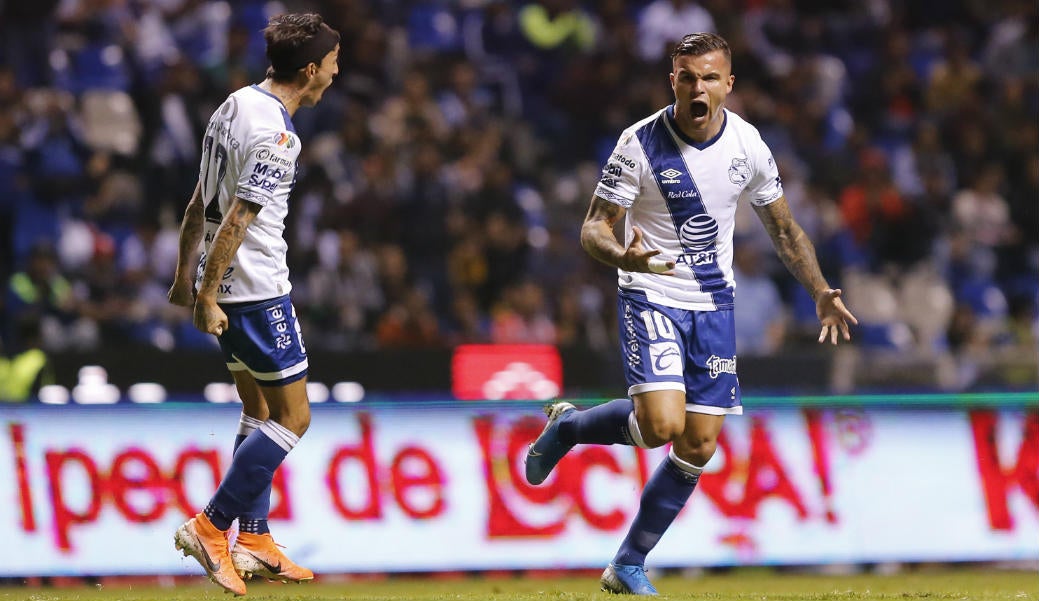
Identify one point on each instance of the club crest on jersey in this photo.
(670, 176)
(698, 232)
(739, 171)
(284, 139)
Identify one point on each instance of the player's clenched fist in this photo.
(209, 317)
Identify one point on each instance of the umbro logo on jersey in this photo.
(670, 176)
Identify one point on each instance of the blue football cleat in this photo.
(626, 580)
(547, 450)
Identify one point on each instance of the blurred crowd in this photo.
(447, 171)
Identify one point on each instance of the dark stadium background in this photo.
(446, 173)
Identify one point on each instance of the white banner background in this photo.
(416, 488)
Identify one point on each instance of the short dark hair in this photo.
(697, 44)
(295, 40)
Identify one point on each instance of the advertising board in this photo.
(439, 486)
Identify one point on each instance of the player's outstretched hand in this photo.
(833, 315)
(182, 293)
(637, 258)
(209, 317)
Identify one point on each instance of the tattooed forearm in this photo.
(597, 237)
(225, 244)
(793, 246)
(190, 232)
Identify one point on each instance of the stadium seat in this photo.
(927, 306)
(110, 121)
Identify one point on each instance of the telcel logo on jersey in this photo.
(720, 365)
(670, 176)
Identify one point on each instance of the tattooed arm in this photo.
(599, 241)
(182, 291)
(209, 317)
(798, 254)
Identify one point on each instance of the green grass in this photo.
(749, 584)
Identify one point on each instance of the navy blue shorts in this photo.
(264, 338)
(665, 348)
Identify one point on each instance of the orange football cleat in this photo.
(199, 538)
(259, 555)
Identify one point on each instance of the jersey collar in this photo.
(697, 145)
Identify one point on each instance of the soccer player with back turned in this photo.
(676, 177)
(240, 292)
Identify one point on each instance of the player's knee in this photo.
(300, 423)
(696, 449)
(660, 432)
(297, 420)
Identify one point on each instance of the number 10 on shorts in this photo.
(665, 356)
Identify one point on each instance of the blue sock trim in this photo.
(253, 526)
(220, 519)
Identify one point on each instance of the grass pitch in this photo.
(743, 584)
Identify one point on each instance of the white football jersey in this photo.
(683, 195)
(250, 150)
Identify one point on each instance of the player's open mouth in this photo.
(697, 109)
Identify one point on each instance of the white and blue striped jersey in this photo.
(683, 195)
(250, 150)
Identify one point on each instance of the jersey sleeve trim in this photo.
(610, 196)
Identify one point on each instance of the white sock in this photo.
(282, 436)
(636, 434)
(247, 424)
(682, 464)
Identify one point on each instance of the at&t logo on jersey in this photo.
(700, 257)
(699, 231)
(720, 365)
